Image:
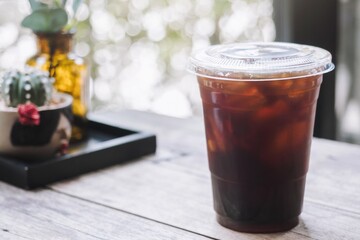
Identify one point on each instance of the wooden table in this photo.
(168, 195)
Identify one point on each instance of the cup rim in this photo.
(260, 61)
(330, 68)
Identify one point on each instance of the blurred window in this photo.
(138, 49)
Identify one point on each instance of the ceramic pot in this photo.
(37, 142)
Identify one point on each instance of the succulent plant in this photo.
(49, 16)
(32, 85)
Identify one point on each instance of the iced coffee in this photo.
(259, 102)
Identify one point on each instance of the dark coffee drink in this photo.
(259, 123)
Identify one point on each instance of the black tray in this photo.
(106, 145)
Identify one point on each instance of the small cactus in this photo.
(32, 85)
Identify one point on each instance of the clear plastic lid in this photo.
(262, 60)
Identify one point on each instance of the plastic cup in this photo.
(259, 102)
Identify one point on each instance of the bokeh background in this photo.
(138, 49)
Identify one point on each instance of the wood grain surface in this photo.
(168, 195)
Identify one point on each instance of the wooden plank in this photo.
(45, 214)
(160, 188)
(333, 178)
(165, 195)
(330, 161)
(175, 188)
(183, 199)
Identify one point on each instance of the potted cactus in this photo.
(54, 24)
(35, 121)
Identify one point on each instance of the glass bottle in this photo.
(69, 71)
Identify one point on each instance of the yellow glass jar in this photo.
(69, 71)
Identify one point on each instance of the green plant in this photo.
(33, 86)
(50, 16)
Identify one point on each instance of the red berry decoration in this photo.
(28, 114)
